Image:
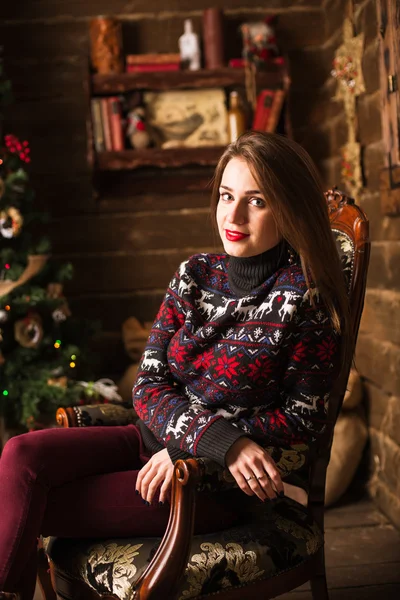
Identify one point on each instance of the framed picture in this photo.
(187, 117)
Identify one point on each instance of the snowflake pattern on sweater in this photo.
(217, 367)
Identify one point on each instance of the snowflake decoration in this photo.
(277, 335)
(210, 330)
(59, 316)
(258, 332)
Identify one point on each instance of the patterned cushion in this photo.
(274, 538)
(345, 247)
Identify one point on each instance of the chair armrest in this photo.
(91, 415)
(168, 565)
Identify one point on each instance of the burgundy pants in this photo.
(79, 483)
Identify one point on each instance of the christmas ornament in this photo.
(35, 264)
(59, 315)
(54, 290)
(11, 222)
(348, 72)
(106, 388)
(28, 332)
(58, 381)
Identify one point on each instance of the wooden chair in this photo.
(228, 564)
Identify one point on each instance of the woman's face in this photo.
(245, 222)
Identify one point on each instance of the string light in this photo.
(7, 307)
(5, 392)
(57, 344)
(7, 266)
(72, 365)
(73, 357)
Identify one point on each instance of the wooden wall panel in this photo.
(130, 232)
(98, 273)
(52, 9)
(113, 308)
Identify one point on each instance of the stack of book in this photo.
(268, 110)
(136, 63)
(107, 124)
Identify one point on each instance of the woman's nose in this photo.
(237, 213)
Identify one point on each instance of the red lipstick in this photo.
(235, 236)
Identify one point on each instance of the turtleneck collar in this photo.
(246, 274)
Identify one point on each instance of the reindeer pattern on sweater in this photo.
(217, 367)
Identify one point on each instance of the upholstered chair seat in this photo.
(272, 538)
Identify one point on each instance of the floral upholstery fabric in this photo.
(345, 247)
(104, 414)
(272, 538)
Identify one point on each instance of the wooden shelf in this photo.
(120, 83)
(157, 157)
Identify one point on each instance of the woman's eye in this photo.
(257, 202)
(225, 196)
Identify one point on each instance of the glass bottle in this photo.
(189, 47)
(236, 117)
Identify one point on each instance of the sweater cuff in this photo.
(150, 441)
(176, 453)
(217, 439)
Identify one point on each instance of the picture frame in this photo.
(189, 118)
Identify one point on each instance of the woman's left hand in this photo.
(156, 473)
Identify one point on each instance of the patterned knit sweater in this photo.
(218, 367)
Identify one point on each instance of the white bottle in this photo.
(189, 47)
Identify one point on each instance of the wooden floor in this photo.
(362, 554)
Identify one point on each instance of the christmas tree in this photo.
(42, 346)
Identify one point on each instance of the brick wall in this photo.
(378, 348)
(126, 243)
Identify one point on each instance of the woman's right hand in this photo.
(254, 470)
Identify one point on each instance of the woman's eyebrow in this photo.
(247, 192)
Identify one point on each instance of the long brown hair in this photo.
(289, 182)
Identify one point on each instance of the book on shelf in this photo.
(276, 109)
(263, 109)
(152, 67)
(115, 119)
(107, 124)
(105, 119)
(142, 59)
(98, 134)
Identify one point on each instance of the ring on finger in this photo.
(251, 477)
(261, 476)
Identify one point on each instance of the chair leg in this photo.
(319, 588)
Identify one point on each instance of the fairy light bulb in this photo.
(72, 365)
(5, 392)
(73, 357)
(57, 344)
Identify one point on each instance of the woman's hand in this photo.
(156, 473)
(254, 470)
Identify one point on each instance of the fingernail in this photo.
(137, 492)
(144, 501)
(148, 503)
(161, 503)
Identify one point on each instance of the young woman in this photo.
(238, 368)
